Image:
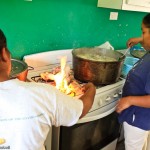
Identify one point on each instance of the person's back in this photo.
(24, 123)
(27, 111)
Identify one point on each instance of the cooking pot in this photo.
(19, 69)
(97, 65)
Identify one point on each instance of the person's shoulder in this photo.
(42, 87)
(34, 85)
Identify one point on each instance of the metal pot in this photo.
(100, 72)
(19, 69)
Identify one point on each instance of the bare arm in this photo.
(88, 98)
(133, 41)
(125, 102)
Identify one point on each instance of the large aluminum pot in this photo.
(97, 65)
(19, 69)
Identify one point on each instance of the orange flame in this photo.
(61, 77)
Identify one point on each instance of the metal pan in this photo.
(95, 71)
(19, 69)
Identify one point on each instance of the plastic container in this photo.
(128, 65)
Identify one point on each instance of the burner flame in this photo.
(64, 79)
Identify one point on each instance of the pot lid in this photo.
(17, 67)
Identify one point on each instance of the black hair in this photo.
(3, 42)
(146, 20)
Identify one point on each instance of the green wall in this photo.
(44, 25)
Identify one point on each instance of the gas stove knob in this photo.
(100, 102)
(115, 95)
(108, 99)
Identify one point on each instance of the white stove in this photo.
(106, 96)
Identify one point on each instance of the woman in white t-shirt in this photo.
(28, 110)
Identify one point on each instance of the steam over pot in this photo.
(99, 71)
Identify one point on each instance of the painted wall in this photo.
(44, 25)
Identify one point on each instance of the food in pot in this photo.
(96, 57)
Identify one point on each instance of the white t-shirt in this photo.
(28, 110)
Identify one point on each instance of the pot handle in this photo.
(30, 68)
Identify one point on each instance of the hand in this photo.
(88, 98)
(88, 86)
(133, 41)
(123, 104)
